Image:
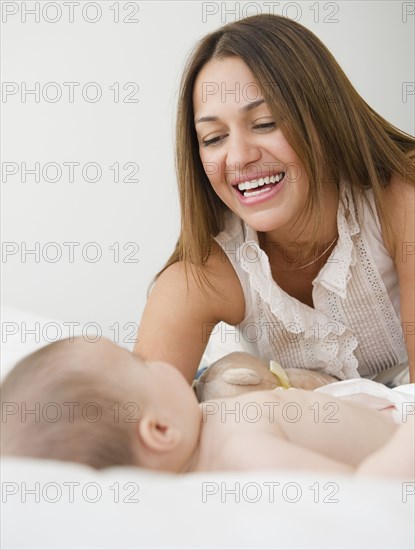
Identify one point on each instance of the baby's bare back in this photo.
(289, 429)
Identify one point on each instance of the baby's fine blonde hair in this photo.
(55, 405)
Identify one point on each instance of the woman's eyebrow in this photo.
(245, 108)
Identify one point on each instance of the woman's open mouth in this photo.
(253, 188)
(257, 190)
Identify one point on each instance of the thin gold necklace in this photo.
(312, 261)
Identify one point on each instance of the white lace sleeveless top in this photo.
(354, 328)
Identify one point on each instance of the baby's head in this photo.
(98, 404)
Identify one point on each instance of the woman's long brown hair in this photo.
(335, 133)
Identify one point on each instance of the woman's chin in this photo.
(262, 222)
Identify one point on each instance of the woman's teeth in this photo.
(254, 184)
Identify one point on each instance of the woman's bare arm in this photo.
(178, 318)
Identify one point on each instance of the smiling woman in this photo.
(284, 175)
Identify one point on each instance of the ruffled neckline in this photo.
(334, 276)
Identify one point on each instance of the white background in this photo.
(372, 40)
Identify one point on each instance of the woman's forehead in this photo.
(227, 81)
(226, 75)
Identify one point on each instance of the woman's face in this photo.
(239, 143)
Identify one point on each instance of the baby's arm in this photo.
(396, 457)
(264, 452)
(339, 430)
(295, 429)
(328, 435)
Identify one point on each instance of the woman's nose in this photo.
(240, 152)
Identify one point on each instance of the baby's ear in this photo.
(158, 436)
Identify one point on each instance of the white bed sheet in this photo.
(168, 511)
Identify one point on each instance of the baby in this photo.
(98, 404)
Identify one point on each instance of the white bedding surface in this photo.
(167, 511)
(280, 510)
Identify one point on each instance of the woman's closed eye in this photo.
(266, 125)
(218, 139)
(207, 142)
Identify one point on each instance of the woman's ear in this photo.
(158, 436)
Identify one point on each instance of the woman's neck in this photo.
(295, 247)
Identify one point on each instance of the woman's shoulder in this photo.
(400, 203)
(213, 285)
